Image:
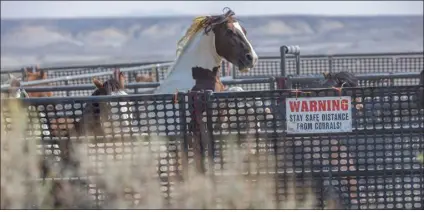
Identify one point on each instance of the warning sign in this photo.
(319, 115)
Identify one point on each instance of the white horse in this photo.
(208, 40)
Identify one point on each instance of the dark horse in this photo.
(94, 113)
(90, 124)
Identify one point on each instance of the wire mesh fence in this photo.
(353, 63)
(373, 167)
(364, 80)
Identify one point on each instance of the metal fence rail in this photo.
(373, 167)
(365, 80)
(144, 88)
(356, 63)
(266, 67)
(290, 82)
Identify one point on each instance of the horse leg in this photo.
(68, 156)
(197, 146)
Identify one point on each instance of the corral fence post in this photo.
(209, 126)
(272, 81)
(289, 50)
(67, 83)
(223, 68)
(234, 71)
(156, 69)
(181, 98)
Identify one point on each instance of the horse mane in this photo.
(198, 24)
(203, 22)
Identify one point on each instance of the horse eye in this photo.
(230, 31)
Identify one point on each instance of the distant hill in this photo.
(99, 40)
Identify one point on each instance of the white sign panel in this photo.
(319, 115)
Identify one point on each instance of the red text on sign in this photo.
(319, 105)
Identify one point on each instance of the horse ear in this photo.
(326, 75)
(116, 73)
(42, 73)
(121, 80)
(11, 76)
(14, 82)
(97, 83)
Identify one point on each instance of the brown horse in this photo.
(61, 126)
(150, 77)
(36, 73)
(90, 123)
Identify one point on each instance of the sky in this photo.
(72, 9)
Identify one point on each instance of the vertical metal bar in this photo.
(223, 68)
(157, 72)
(234, 72)
(23, 75)
(183, 124)
(277, 177)
(272, 81)
(67, 83)
(283, 61)
(297, 56)
(210, 140)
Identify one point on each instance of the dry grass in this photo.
(125, 179)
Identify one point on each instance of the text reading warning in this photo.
(319, 115)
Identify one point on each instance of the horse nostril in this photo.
(249, 57)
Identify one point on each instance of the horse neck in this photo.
(199, 52)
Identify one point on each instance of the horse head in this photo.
(33, 74)
(205, 44)
(231, 41)
(114, 86)
(150, 77)
(340, 79)
(15, 89)
(99, 112)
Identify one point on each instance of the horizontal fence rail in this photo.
(354, 63)
(54, 72)
(271, 83)
(266, 67)
(373, 167)
(365, 80)
(145, 87)
(87, 76)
